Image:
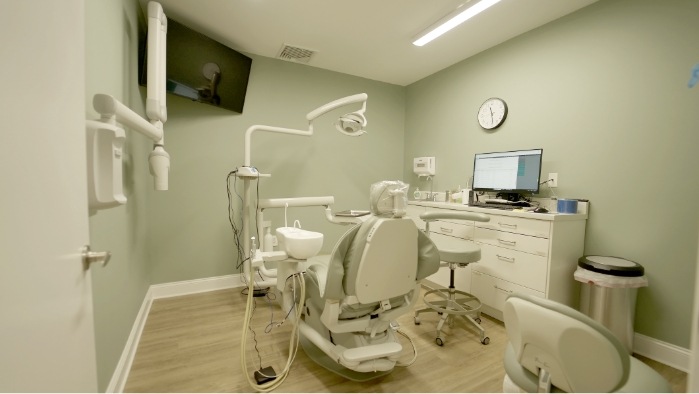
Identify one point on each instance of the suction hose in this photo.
(293, 340)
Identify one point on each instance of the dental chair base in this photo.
(368, 358)
(358, 349)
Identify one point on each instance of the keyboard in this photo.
(501, 205)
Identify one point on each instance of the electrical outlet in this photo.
(553, 179)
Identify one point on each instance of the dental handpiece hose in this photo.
(293, 339)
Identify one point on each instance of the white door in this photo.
(46, 327)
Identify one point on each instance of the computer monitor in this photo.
(508, 173)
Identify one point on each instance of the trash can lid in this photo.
(614, 266)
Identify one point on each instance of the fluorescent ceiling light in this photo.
(451, 21)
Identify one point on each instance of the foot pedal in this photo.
(265, 375)
(260, 293)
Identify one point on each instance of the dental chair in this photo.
(451, 302)
(553, 347)
(372, 277)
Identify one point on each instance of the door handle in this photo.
(90, 257)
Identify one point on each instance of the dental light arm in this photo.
(350, 124)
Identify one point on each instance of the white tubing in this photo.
(293, 339)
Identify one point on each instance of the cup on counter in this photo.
(565, 205)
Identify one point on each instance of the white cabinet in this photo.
(523, 252)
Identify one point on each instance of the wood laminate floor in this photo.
(193, 344)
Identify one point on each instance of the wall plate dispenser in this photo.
(424, 166)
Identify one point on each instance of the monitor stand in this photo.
(514, 197)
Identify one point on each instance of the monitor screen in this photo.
(507, 172)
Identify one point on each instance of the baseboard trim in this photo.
(164, 290)
(671, 355)
(121, 373)
(174, 289)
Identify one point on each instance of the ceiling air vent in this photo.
(295, 54)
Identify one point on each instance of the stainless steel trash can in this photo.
(608, 293)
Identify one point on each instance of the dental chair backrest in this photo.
(385, 256)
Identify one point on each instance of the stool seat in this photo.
(459, 252)
(463, 256)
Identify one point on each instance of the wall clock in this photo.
(492, 113)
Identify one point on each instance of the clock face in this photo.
(492, 113)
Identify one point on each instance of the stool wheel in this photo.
(485, 341)
(439, 341)
(478, 320)
(417, 321)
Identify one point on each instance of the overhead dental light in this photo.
(452, 20)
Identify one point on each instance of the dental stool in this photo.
(451, 302)
(372, 277)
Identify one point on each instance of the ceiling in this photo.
(367, 38)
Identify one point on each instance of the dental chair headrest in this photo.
(388, 198)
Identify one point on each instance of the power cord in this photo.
(548, 183)
(231, 216)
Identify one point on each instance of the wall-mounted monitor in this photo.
(202, 69)
(508, 173)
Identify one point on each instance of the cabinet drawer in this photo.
(494, 291)
(533, 227)
(514, 266)
(456, 230)
(503, 239)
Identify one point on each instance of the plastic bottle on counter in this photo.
(268, 241)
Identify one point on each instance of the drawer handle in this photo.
(447, 230)
(506, 242)
(503, 290)
(508, 225)
(505, 258)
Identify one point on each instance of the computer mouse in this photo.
(541, 210)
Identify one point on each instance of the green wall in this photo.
(120, 287)
(604, 92)
(190, 236)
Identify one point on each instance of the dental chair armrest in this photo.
(317, 271)
(432, 216)
(344, 220)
